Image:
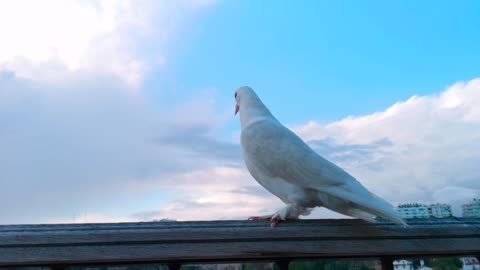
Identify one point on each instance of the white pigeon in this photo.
(287, 167)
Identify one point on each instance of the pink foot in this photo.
(274, 223)
(256, 218)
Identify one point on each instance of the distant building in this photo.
(471, 209)
(440, 210)
(413, 210)
(417, 210)
(470, 263)
(402, 265)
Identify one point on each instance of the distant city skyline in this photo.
(417, 210)
(471, 209)
(438, 210)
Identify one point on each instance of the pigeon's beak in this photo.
(237, 108)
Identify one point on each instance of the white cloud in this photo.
(414, 149)
(92, 218)
(109, 155)
(74, 147)
(206, 193)
(47, 39)
(72, 129)
(213, 193)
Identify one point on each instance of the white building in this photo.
(471, 209)
(440, 210)
(470, 263)
(402, 265)
(417, 210)
(413, 210)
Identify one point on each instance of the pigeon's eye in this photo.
(235, 94)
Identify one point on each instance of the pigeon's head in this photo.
(243, 96)
(250, 106)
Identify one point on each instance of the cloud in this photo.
(213, 193)
(70, 148)
(421, 150)
(92, 218)
(349, 152)
(205, 145)
(412, 151)
(201, 194)
(219, 193)
(48, 39)
(91, 150)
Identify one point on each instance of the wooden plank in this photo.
(249, 230)
(198, 252)
(225, 223)
(192, 242)
(225, 234)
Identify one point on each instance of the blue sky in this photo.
(329, 59)
(125, 109)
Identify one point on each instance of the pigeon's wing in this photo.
(279, 152)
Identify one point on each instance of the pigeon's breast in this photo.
(286, 191)
(259, 144)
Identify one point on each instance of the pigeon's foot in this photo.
(274, 223)
(256, 218)
(289, 212)
(285, 213)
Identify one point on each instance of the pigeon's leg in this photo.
(290, 211)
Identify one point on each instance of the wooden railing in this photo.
(177, 243)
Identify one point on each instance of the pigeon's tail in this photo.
(386, 210)
(366, 207)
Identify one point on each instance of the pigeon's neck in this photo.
(253, 113)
